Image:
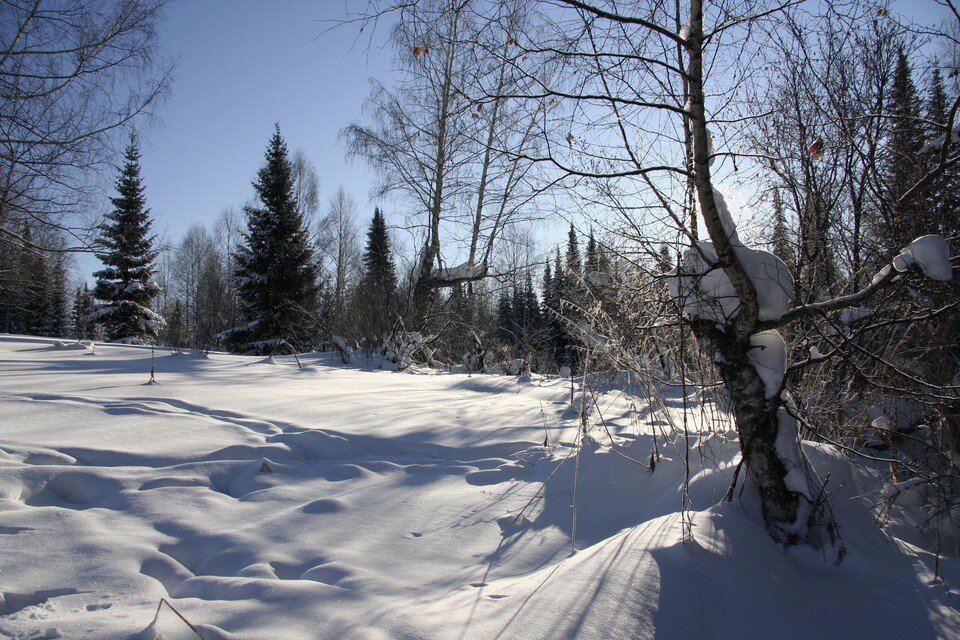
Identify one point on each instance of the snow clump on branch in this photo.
(704, 290)
(930, 254)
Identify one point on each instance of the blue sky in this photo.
(241, 66)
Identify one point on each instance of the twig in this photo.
(164, 601)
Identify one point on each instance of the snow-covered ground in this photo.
(266, 501)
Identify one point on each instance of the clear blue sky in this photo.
(241, 66)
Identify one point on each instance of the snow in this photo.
(705, 291)
(599, 278)
(880, 275)
(788, 449)
(465, 271)
(768, 355)
(929, 253)
(272, 502)
(852, 315)
(723, 211)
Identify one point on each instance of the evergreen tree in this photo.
(557, 309)
(904, 220)
(59, 318)
(379, 271)
(664, 259)
(943, 194)
(570, 290)
(125, 284)
(506, 321)
(378, 287)
(34, 286)
(574, 261)
(274, 268)
(547, 314)
(780, 238)
(82, 305)
(176, 327)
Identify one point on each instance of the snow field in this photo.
(264, 501)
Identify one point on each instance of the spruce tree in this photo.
(274, 269)
(905, 220)
(780, 236)
(59, 318)
(506, 321)
(557, 319)
(943, 194)
(572, 298)
(176, 328)
(379, 272)
(36, 287)
(125, 285)
(574, 261)
(82, 305)
(377, 291)
(664, 259)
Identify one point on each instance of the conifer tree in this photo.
(548, 308)
(572, 298)
(377, 291)
(592, 263)
(943, 194)
(664, 259)
(506, 321)
(34, 285)
(274, 269)
(379, 272)
(557, 330)
(574, 261)
(82, 304)
(176, 326)
(125, 285)
(905, 220)
(59, 318)
(780, 235)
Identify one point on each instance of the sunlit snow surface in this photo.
(269, 502)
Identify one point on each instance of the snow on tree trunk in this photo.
(752, 372)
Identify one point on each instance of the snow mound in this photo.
(345, 502)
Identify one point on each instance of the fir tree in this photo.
(905, 220)
(35, 287)
(59, 318)
(780, 238)
(125, 284)
(572, 296)
(176, 327)
(942, 199)
(506, 321)
(574, 261)
(377, 291)
(379, 272)
(664, 259)
(82, 305)
(274, 269)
